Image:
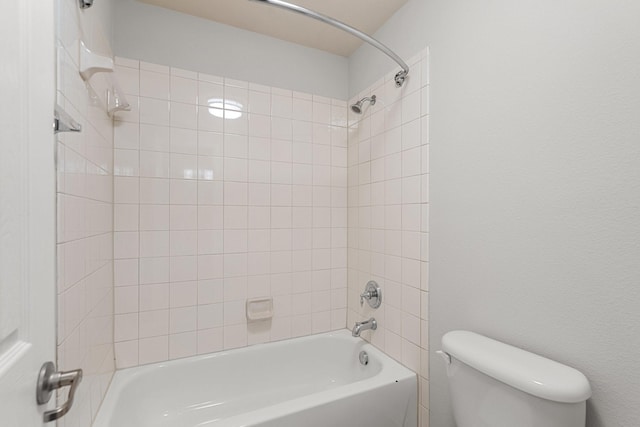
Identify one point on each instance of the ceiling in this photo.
(365, 15)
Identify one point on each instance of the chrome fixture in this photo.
(363, 326)
(85, 4)
(63, 122)
(373, 294)
(50, 380)
(357, 107)
(364, 358)
(399, 77)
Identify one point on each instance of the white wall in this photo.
(535, 187)
(162, 36)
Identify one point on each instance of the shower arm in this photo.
(399, 77)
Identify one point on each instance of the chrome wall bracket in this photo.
(63, 122)
(85, 4)
(400, 77)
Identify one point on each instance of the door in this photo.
(27, 206)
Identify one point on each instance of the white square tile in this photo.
(210, 119)
(126, 354)
(234, 313)
(184, 90)
(154, 164)
(236, 194)
(236, 146)
(210, 315)
(126, 299)
(125, 244)
(259, 240)
(235, 241)
(182, 345)
(302, 109)
(281, 106)
(259, 125)
(155, 137)
(235, 336)
(183, 243)
(126, 190)
(184, 115)
(210, 340)
(210, 143)
(125, 217)
(210, 267)
(154, 243)
(183, 294)
(154, 111)
(210, 193)
(183, 192)
(184, 166)
(235, 169)
(210, 292)
(259, 102)
(183, 319)
(125, 272)
(154, 85)
(154, 217)
(210, 217)
(129, 79)
(183, 268)
(154, 191)
(153, 350)
(154, 270)
(154, 297)
(210, 168)
(126, 135)
(210, 242)
(154, 323)
(210, 93)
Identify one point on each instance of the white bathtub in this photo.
(315, 381)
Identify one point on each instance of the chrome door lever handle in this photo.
(50, 380)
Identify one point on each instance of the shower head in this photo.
(357, 107)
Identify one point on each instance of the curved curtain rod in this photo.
(400, 76)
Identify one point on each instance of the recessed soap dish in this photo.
(259, 308)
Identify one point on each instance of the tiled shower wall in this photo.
(85, 218)
(215, 206)
(389, 218)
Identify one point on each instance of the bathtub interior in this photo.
(207, 390)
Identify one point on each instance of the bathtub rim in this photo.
(391, 371)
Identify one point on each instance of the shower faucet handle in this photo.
(373, 294)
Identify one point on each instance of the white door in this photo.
(27, 206)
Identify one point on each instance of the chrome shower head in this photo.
(357, 107)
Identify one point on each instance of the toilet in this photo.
(493, 384)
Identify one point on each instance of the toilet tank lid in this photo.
(525, 371)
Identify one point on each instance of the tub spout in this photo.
(363, 326)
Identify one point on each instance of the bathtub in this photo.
(315, 381)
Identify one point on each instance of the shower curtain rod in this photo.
(400, 76)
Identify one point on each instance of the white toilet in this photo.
(493, 384)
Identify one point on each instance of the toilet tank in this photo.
(493, 384)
